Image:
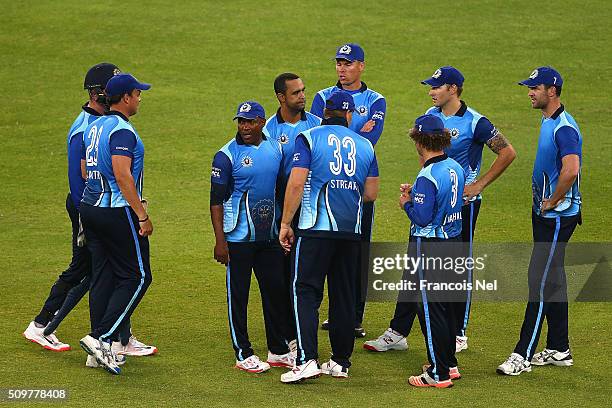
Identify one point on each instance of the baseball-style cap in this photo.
(445, 75)
(124, 83)
(350, 52)
(99, 74)
(543, 75)
(340, 100)
(429, 124)
(250, 110)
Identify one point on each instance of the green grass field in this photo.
(203, 58)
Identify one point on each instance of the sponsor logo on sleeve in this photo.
(419, 198)
(215, 172)
(296, 157)
(378, 115)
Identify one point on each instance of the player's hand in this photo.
(221, 252)
(403, 199)
(405, 188)
(471, 190)
(368, 126)
(548, 205)
(146, 227)
(286, 237)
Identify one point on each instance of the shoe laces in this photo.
(107, 352)
(53, 338)
(516, 360)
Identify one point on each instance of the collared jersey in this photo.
(559, 136)
(369, 105)
(285, 133)
(249, 174)
(435, 209)
(470, 131)
(73, 147)
(105, 137)
(339, 161)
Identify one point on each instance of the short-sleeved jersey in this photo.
(285, 134)
(369, 105)
(73, 147)
(559, 136)
(105, 137)
(470, 131)
(249, 175)
(435, 209)
(339, 161)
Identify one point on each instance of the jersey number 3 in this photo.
(337, 165)
(454, 187)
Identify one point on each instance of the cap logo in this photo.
(116, 71)
(420, 127)
(534, 74)
(345, 49)
(437, 74)
(554, 80)
(245, 107)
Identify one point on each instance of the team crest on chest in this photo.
(283, 139)
(454, 133)
(246, 161)
(362, 110)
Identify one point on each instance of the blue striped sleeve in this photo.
(567, 141)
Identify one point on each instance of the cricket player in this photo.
(115, 220)
(244, 178)
(334, 172)
(555, 215)
(368, 121)
(433, 205)
(470, 132)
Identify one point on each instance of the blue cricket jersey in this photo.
(248, 174)
(73, 147)
(339, 161)
(369, 105)
(285, 134)
(435, 209)
(470, 131)
(105, 137)
(559, 137)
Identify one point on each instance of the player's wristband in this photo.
(146, 218)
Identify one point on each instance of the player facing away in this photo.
(115, 220)
(244, 176)
(554, 217)
(470, 132)
(334, 172)
(433, 205)
(368, 121)
(40, 330)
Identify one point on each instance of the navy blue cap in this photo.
(445, 75)
(99, 74)
(340, 100)
(429, 124)
(124, 83)
(250, 110)
(350, 52)
(543, 75)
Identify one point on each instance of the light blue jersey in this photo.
(247, 175)
(435, 209)
(106, 137)
(285, 134)
(469, 133)
(339, 161)
(559, 136)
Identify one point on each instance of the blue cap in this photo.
(340, 100)
(250, 110)
(543, 75)
(350, 52)
(429, 124)
(123, 83)
(445, 75)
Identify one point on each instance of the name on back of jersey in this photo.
(344, 184)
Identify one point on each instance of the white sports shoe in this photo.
(102, 352)
(334, 369)
(293, 346)
(389, 340)
(308, 370)
(554, 357)
(133, 348)
(50, 342)
(281, 360)
(514, 365)
(252, 364)
(460, 343)
(91, 361)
